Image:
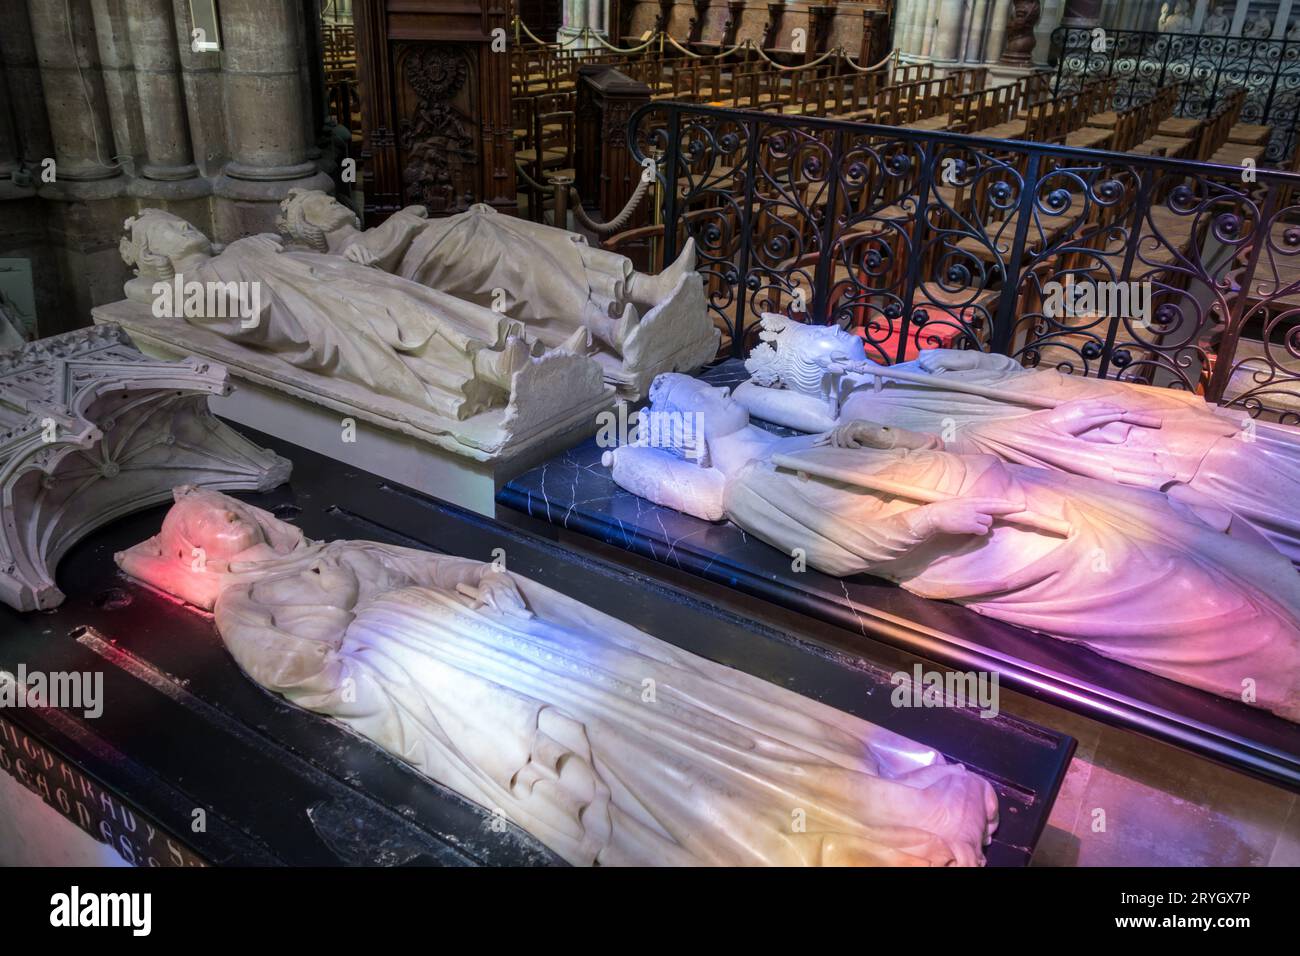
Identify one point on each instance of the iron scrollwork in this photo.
(919, 240)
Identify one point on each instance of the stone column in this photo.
(1239, 18)
(310, 56)
(75, 101)
(168, 156)
(597, 17)
(1283, 16)
(1048, 22)
(200, 77)
(575, 19)
(23, 77)
(968, 9)
(927, 35)
(947, 42)
(898, 25)
(264, 102)
(264, 91)
(916, 28)
(1198, 15)
(1146, 17)
(117, 68)
(975, 36)
(8, 136)
(997, 31)
(9, 146)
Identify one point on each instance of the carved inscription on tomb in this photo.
(86, 803)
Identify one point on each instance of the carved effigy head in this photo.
(686, 413)
(790, 354)
(157, 240)
(221, 527)
(309, 215)
(207, 541)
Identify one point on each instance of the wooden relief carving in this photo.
(440, 149)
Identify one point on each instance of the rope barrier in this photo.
(892, 55)
(663, 36)
(575, 203)
(609, 46)
(619, 221)
(706, 56)
(519, 24)
(544, 190)
(794, 69)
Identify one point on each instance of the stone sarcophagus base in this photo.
(555, 401)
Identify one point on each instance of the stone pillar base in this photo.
(244, 207)
(267, 174)
(1001, 73)
(12, 190)
(173, 190)
(169, 174)
(82, 190)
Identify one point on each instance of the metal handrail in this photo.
(1038, 180)
(971, 140)
(1210, 66)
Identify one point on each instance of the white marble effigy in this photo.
(368, 368)
(638, 325)
(610, 746)
(1175, 586)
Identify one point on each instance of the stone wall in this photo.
(106, 108)
(956, 33)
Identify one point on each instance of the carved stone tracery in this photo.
(91, 430)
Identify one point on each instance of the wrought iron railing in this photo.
(921, 239)
(1210, 68)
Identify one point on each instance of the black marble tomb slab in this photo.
(183, 728)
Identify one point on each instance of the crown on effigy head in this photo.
(790, 353)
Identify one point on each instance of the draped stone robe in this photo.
(1249, 467)
(552, 279)
(610, 746)
(325, 314)
(1139, 578)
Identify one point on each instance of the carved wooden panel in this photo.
(435, 103)
(607, 172)
(542, 16)
(439, 145)
(829, 25)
